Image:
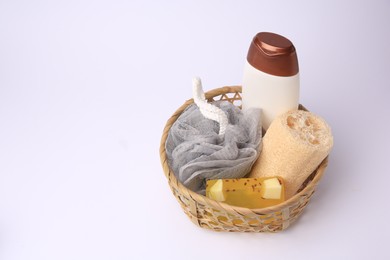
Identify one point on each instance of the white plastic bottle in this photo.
(271, 76)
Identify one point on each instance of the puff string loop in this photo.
(208, 110)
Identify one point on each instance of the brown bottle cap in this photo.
(273, 54)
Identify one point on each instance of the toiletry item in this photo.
(247, 192)
(212, 140)
(293, 147)
(271, 76)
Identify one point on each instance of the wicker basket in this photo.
(219, 216)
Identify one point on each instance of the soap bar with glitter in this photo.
(247, 192)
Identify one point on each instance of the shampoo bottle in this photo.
(271, 76)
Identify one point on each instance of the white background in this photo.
(87, 86)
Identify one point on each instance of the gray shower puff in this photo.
(196, 152)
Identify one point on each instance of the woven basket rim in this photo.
(198, 197)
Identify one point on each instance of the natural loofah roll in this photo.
(293, 147)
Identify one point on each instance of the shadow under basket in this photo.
(219, 216)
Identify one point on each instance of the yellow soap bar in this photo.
(247, 192)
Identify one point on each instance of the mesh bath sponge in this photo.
(222, 142)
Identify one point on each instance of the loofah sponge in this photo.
(293, 147)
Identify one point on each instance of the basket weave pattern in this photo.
(219, 216)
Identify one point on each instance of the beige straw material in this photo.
(220, 216)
